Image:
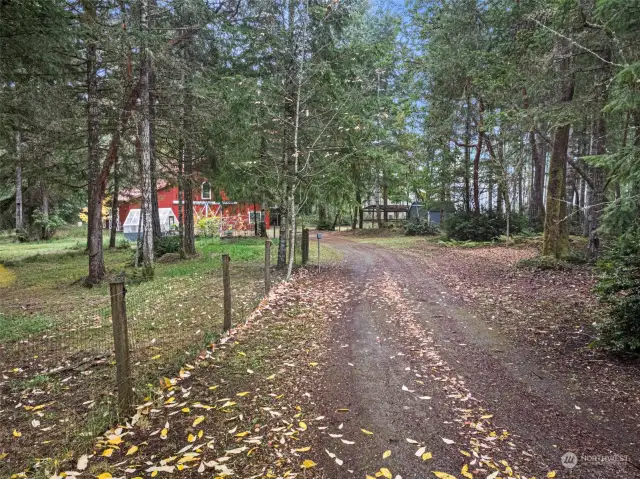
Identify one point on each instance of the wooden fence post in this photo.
(226, 285)
(121, 344)
(305, 246)
(267, 266)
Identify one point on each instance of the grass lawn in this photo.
(56, 335)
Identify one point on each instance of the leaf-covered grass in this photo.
(16, 327)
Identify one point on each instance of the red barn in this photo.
(225, 216)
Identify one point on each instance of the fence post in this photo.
(121, 343)
(267, 266)
(226, 285)
(305, 246)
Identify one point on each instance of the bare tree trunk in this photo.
(44, 233)
(385, 199)
(95, 191)
(145, 144)
(282, 240)
(19, 213)
(114, 205)
(360, 210)
(189, 227)
(476, 160)
(490, 187)
(181, 199)
(377, 198)
(467, 157)
(155, 213)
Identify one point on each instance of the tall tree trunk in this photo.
(44, 233)
(536, 212)
(95, 191)
(181, 198)
(385, 199)
(114, 205)
(476, 160)
(19, 205)
(145, 146)
(467, 157)
(155, 212)
(556, 236)
(360, 210)
(282, 240)
(490, 188)
(377, 198)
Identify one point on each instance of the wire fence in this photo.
(168, 323)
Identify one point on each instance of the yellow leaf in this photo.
(369, 477)
(303, 449)
(104, 475)
(443, 475)
(386, 454)
(191, 438)
(271, 377)
(426, 456)
(366, 432)
(551, 474)
(212, 388)
(302, 425)
(313, 364)
(308, 464)
(107, 452)
(132, 450)
(243, 434)
(386, 472)
(342, 410)
(163, 433)
(465, 453)
(17, 433)
(157, 356)
(186, 410)
(486, 416)
(465, 472)
(200, 434)
(115, 440)
(241, 353)
(242, 394)
(197, 421)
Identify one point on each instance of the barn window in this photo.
(256, 214)
(206, 191)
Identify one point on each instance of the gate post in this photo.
(121, 346)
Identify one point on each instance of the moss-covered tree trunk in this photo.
(556, 231)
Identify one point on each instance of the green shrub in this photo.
(619, 287)
(47, 224)
(167, 244)
(483, 227)
(421, 228)
(124, 243)
(325, 226)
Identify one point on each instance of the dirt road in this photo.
(444, 392)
